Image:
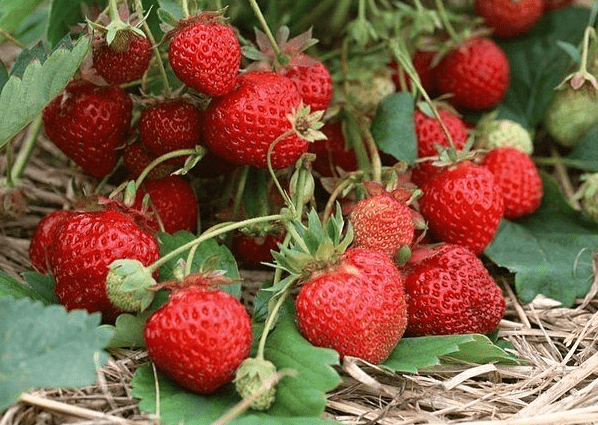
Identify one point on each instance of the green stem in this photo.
(239, 192)
(27, 148)
(370, 143)
(446, 22)
(113, 11)
(284, 195)
(9, 181)
(296, 236)
(262, 20)
(199, 150)
(347, 182)
(272, 315)
(189, 263)
(213, 232)
(185, 7)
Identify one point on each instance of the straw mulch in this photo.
(557, 385)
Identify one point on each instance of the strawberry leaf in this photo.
(414, 354)
(22, 99)
(12, 13)
(393, 128)
(128, 330)
(45, 346)
(36, 286)
(549, 251)
(584, 155)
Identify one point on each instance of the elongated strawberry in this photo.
(89, 123)
(451, 292)
(200, 336)
(124, 60)
(241, 126)
(84, 245)
(510, 18)
(170, 124)
(42, 238)
(463, 205)
(205, 54)
(518, 179)
(173, 200)
(477, 73)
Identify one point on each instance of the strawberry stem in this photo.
(198, 150)
(14, 173)
(284, 195)
(113, 11)
(262, 20)
(446, 22)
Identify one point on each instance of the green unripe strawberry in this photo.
(589, 200)
(255, 375)
(571, 114)
(503, 133)
(127, 283)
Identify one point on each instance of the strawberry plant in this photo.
(399, 175)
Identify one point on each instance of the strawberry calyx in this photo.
(128, 283)
(203, 17)
(255, 381)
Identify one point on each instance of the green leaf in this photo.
(414, 354)
(12, 13)
(21, 100)
(393, 127)
(3, 75)
(37, 52)
(205, 250)
(538, 64)
(549, 251)
(44, 346)
(300, 400)
(64, 14)
(42, 285)
(128, 330)
(585, 153)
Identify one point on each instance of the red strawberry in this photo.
(463, 205)
(241, 126)
(332, 152)
(451, 292)
(136, 158)
(509, 18)
(199, 336)
(42, 238)
(518, 179)
(124, 60)
(382, 222)
(170, 124)
(173, 200)
(422, 62)
(205, 54)
(84, 245)
(313, 80)
(89, 123)
(477, 74)
(255, 249)
(357, 306)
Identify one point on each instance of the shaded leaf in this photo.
(12, 13)
(42, 285)
(585, 153)
(45, 346)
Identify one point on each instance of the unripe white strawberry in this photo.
(502, 133)
(367, 93)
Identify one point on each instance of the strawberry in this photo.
(241, 126)
(42, 238)
(518, 179)
(84, 245)
(500, 133)
(367, 90)
(509, 18)
(463, 205)
(89, 123)
(476, 73)
(450, 292)
(382, 221)
(200, 336)
(332, 153)
(423, 63)
(255, 249)
(170, 124)
(205, 54)
(589, 195)
(357, 306)
(173, 200)
(137, 157)
(313, 80)
(124, 60)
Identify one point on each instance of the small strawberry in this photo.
(137, 157)
(173, 200)
(451, 292)
(382, 221)
(332, 152)
(200, 336)
(589, 195)
(518, 179)
(170, 124)
(84, 245)
(205, 54)
(476, 73)
(241, 126)
(493, 133)
(463, 205)
(42, 238)
(313, 80)
(509, 18)
(124, 60)
(89, 123)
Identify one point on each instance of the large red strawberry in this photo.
(124, 60)
(463, 205)
(205, 54)
(170, 124)
(313, 80)
(518, 179)
(241, 126)
(84, 245)
(173, 200)
(510, 18)
(451, 292)
(357, 306)
(42, 238)
(200, 336)
(476, 72)
(89, 123)
(332, 152)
